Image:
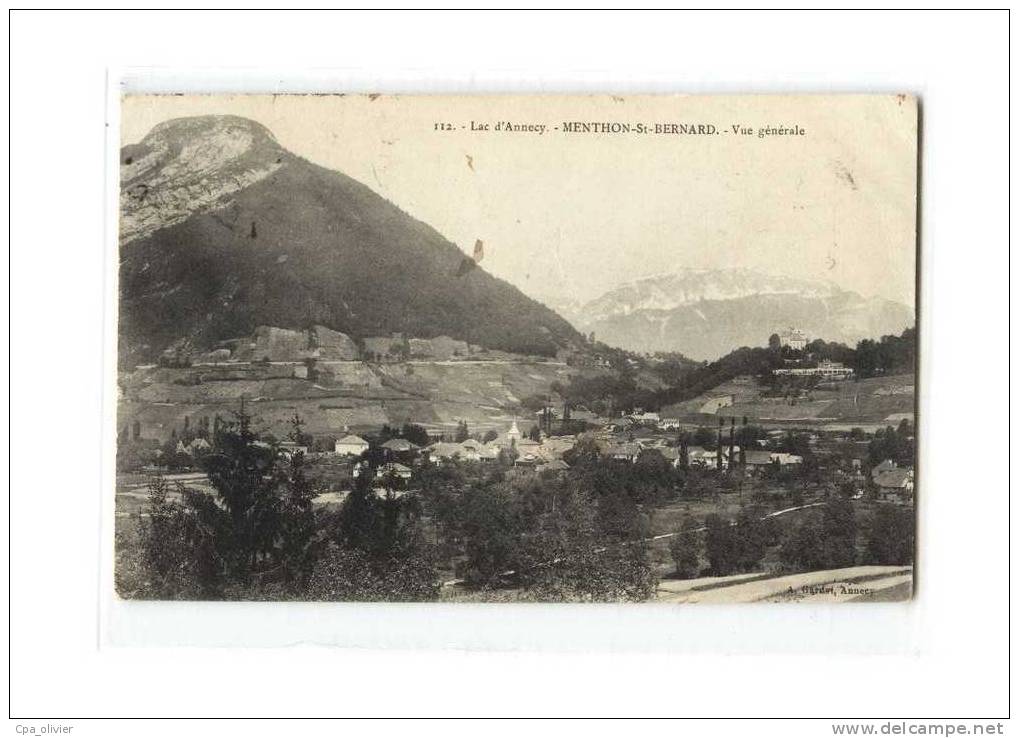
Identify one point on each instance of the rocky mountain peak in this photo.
(689, 285)
(705, 313)
(223, 231)
(190, 165)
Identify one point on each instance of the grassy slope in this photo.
(326, 250)
(866, 402)
(485, 394)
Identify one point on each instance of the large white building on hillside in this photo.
(824, 368)
(350, 446)
(794, 338)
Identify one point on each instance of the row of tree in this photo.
(825, 539)
(897, 444)
(578, 537)
(622, 391)
(256, 534)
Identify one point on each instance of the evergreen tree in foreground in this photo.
(297, 542)
(685, 548)
(256, 527)
(243, 473)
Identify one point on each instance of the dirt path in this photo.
(834, 585)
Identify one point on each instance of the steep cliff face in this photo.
(705, 314)
(222, 231)
(190, 166)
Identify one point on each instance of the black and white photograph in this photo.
(517, 349)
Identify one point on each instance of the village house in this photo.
(547, 412)
(554, 447)
(756, 460)
(650, 441)
(527, 451)
(394, 470)
(793, 338)
(401, 450)
(622, 451)
(390, 492)
(289, 448)
(622, 424)
(526, 461)
(885, 466)
(350, 446)
(784, 459)
(556, 466)
(400, 446)
(700, 456)
(825, 368)
(474, 450)
(707, 458)
(645, 418)
(443, 451)
(527, 446)
(833, 369)
(472, 445)
(737, 455)
(670, 454)
(197, 447)
(488, 453)
(895, 485)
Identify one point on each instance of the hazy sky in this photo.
(570, 215)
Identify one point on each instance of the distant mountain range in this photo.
(706, 313)
(223, 230)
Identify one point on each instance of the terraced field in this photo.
(352, 394)
(867, 403)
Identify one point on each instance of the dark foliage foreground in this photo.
(576, 537)
(257, 535)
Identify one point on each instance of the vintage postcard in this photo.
(517, 348)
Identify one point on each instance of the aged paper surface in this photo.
(517, 348)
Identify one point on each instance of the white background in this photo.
(946, 655)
